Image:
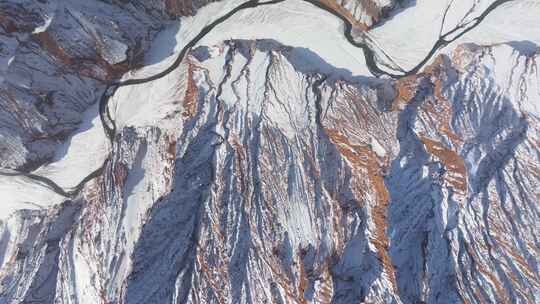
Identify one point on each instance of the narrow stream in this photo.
(370, 56)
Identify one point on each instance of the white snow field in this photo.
(409, 38)
(406, 39)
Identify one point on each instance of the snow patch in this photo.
(84, 152)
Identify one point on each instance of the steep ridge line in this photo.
(110, 127)
(110, 89)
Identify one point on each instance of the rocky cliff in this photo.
(257, 172)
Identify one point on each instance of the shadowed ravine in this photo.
(370, 57)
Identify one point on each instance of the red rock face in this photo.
(245, 176)
(449, 130)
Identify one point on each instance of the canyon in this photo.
(269, 152)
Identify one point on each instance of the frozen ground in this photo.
(315, 184)
(410, 37)
(296, 23)
(84, 152)
(18, 192)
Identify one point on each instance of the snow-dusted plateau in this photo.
(269, 151)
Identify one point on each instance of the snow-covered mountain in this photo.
(286, 151)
